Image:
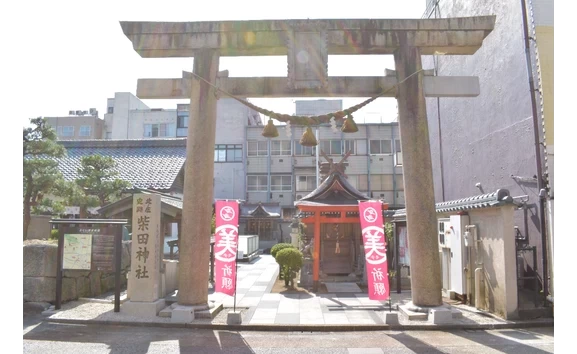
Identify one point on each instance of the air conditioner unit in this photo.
(444, 231)
(71, 113)
(84, 112)
(78, 113)
(93, 111)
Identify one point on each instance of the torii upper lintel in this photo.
(451, 36)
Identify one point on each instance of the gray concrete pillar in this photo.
(194, 244)
(418, 179)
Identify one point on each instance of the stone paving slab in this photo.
(343, 288)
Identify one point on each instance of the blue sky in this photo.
(73, 55)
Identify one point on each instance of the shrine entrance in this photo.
(331, 213)
(339, 248)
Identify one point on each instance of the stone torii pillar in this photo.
(194, 244)
(426, 283)
(309, 44)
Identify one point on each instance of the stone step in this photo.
(166, 312)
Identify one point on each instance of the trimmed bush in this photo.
(290, 260)
(54, 234)
(279, 246)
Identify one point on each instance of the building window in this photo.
(306, 183)
(349, 146)
(84, 130)
(182, 121)
(381, 182)
(280, 147)
(159, 130)
(228, 153)
(332, 147)
(281, 183)
(304, 150)
(380, 147)
(256, 183)
(397, 145)
(110, 110)
(257, 148)
(67, 131)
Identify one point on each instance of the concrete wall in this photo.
(544, 29)
(229, 177)
(138, 118)
(96, 126)
(488, 138)
(40, 275)
(119, 124)
(39, 227)
(495, 229)
(316, 107)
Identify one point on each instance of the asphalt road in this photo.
(43, 337)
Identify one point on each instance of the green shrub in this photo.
(279, 246)
(290, 260)
(54, 234)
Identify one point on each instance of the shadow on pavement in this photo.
(414, 344)
(502, 344)
(124, 339)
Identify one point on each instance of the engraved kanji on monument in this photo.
(144, 279)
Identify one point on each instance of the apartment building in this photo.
(127, 117)
(78, 125)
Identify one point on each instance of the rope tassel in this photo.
(269, 130)
(308, 138)
(349, 126)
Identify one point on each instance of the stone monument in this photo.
(144, 287)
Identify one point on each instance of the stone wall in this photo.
(39, 227)
(40, 275)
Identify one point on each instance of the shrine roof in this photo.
(260, 210)
(335, 190)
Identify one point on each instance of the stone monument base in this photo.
(234, 318)
(435, 314)
(143, 309)
(182, 314)
(209, 310)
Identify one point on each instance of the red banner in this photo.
(225, 246)
(371, 216)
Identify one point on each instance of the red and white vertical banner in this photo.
(225, 246)
(371, 216)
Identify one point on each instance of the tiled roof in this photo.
(260, 210)
(177, 203)
(497, 198)
(147, 163)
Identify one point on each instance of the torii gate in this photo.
(307, 44)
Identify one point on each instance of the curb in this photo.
(312, 328)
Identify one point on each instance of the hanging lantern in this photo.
(308, 138)
(349, 125)
(269, 130)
